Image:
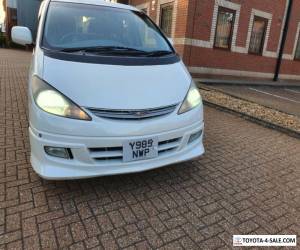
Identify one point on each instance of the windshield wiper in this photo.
(159, 53)
(117, 49)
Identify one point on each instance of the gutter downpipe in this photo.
(283, 40)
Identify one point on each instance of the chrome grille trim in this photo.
(133, 114)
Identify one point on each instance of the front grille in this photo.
(168, 144)
(133, 114)
(115, 154)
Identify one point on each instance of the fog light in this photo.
(58, 152)
(195, 136)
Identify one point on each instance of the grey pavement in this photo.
(249, 82)
(285, 99)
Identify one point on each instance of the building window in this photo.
(14, 14)
(166, 19)
(224, 29)
(258, 35)
(297, 55)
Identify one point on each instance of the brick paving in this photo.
(247, 183)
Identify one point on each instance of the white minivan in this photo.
(107, 93)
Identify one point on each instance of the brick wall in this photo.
(291, 68)
(194, 35)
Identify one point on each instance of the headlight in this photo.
(192, 99)
(52, 101)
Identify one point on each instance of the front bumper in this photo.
(174, 148)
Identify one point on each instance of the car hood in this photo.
(118, 87)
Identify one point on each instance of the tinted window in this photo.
(224, 28)
(166, 19)
(258, 35)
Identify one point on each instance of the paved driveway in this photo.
(248, 182)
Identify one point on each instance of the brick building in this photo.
(237, 38)
(10, 8)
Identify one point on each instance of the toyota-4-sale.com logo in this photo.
(264, 240)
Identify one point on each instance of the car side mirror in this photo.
(21, 35)
(171, 41)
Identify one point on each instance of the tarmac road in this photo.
(286, 99)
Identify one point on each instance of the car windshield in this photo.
(70, 27)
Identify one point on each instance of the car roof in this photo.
(99, 2)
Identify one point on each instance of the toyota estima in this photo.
(107, 93)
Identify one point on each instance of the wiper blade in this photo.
(102, 49)
(159, 53)
(118, 50)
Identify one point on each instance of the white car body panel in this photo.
(152, 86)
(83, 166)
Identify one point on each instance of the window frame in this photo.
(261, 51)
(297, 46)
(220, 8)
(160, 17)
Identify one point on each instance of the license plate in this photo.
(140, 149)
